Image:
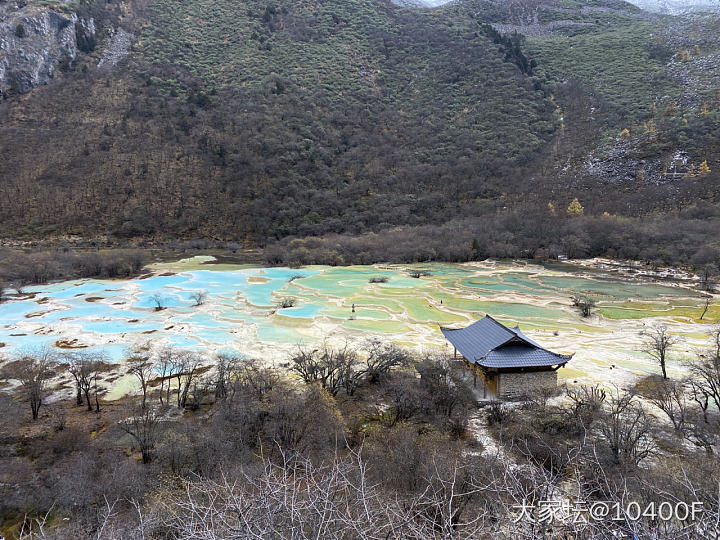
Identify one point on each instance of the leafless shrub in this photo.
(447, 394)
(256, 380)
(669, 397)
(586, 405)
(627, 429)
(584, 304)
(199, 297)
(332, 368)
(144, 427)
(497, 413)
(302, 420)
(287, 303)
(226, 366)
(58, 417)
(297, 499)
(381, 358)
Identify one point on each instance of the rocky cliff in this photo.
(36, 42)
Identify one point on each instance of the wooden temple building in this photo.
(510, 364)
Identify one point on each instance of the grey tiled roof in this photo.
(491, 344)
(520, 356)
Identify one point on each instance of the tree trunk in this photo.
(35, 407)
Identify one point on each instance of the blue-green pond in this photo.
(243, 310)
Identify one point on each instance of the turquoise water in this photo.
(242, 309)
(307, 311)
(118, 326)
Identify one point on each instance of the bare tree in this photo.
(700, 432)
(143, 369)
(406, 400)
(705, 375)
(185, 366)
(166, 366)
(159, 301)
(708, 299)
(657, 344)
(306, 363)
(197, 391)
(180, 366)
(446, 393)
(33, 371)
(199, 297)
(75, 367)
(350, 376)
(226, 366)
(18, 286)
(85, 369)
(707, 275)
(144, 427)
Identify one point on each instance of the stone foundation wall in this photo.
(520, 385)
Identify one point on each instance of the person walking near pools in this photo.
(353, 308)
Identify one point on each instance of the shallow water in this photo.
(242, 310)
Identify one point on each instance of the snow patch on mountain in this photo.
(677, 7)
(421, 3)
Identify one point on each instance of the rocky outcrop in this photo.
(117, 48)
(35, 42)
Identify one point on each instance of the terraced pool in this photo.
(243, 312)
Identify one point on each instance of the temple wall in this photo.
(520, 385)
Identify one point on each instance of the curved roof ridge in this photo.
(489, 342)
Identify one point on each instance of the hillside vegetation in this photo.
(255, 121)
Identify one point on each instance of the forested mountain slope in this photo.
(253, 121)
(261, 118)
